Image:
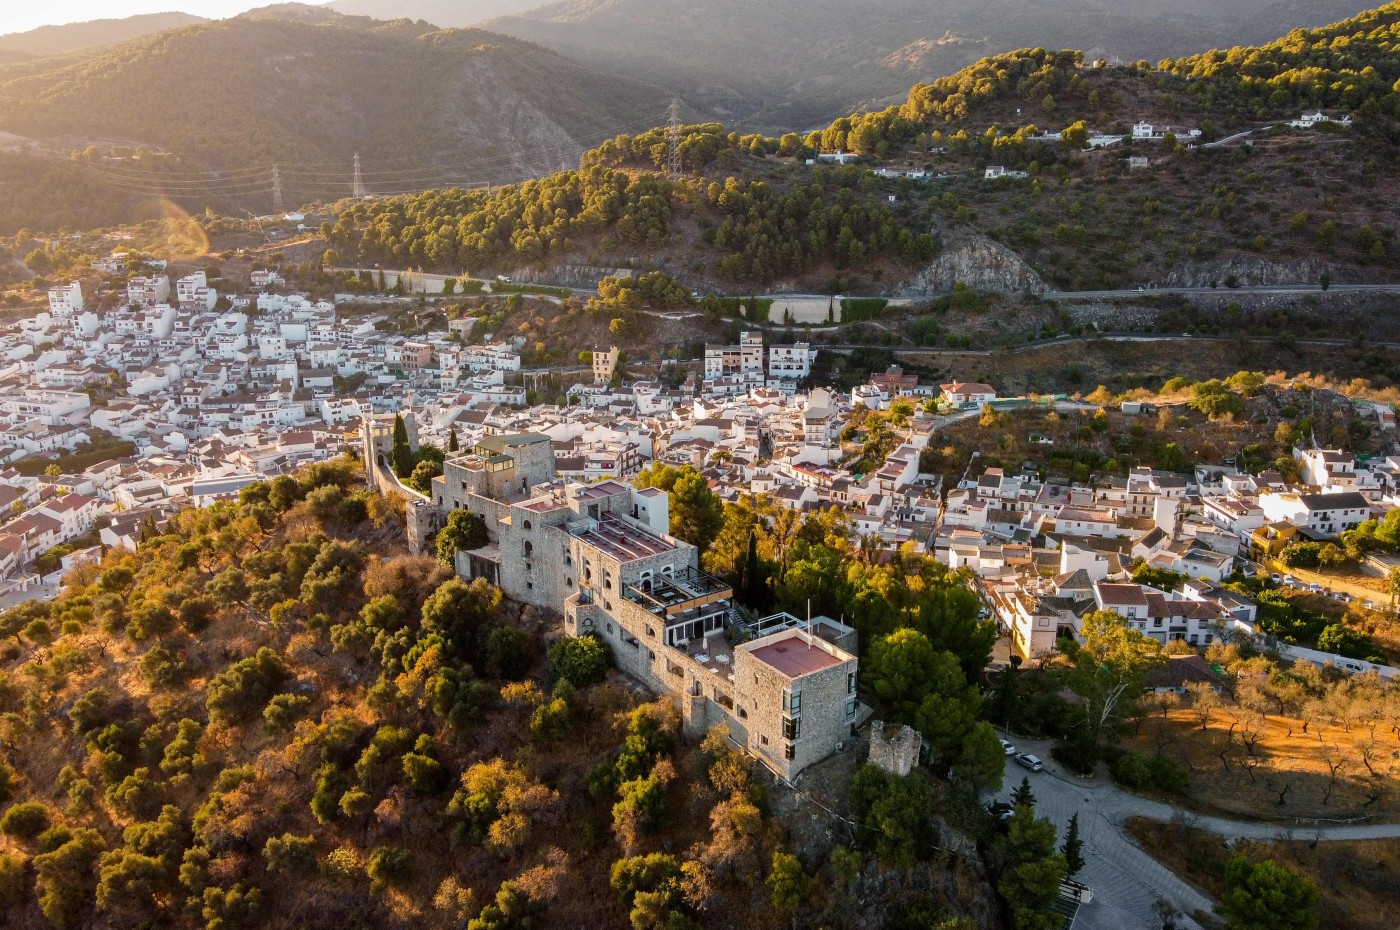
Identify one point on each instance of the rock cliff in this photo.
(977, 261)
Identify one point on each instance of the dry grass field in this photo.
(1252, 765)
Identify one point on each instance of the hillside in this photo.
(455, 14)
(1275, 205)
(422, 106)
(271, 716)
(791, 63)
(56, 40)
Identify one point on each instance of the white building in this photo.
(147, 292)
(790, 362)
(193, 292)
(66, 300)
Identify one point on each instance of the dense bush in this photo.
(581, 660)
(1142, 771)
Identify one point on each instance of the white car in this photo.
(1028, 761)
(1009, 749)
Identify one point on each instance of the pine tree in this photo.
(403, 453)
(1022, 796)
(1073, 848)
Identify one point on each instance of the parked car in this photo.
(1028, 761)
(1276, 578)
(1009, 749)
(1001, 811)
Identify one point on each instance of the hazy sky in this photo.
(18, 16)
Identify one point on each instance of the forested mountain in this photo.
(771, 64)
(446, 13)
(307, 88)
(1280, 204)
(56, 40)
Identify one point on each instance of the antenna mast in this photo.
(358, 191)
(673, 140)
(277, 207)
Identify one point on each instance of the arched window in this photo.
(527, 526)
(529, 548)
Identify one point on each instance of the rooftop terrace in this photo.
(674, 595)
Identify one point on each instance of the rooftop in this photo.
(621, 539)
(795, 654)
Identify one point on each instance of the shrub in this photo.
(290, 853)
(26, 820)
(282, 712)
(1142, 771)
(240, 692)
(344, 862)
(163, 667)
(581, 661)
(387, 866)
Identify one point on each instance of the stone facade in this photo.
(897, 753)
(797, 713)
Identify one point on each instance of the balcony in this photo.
(673, 596)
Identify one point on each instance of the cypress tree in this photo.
(1073, 848)
(753, 574)
(402, 454)
(452, 440)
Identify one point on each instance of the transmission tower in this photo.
(359, 189)
(277, 208)
(673, 140)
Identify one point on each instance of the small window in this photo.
(743, 714)
(850, 708)
(763, 740)
(788, 751)
(850, 682)
(609, 629)
(527, 526)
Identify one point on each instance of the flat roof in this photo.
(502, 443)
(795, 655)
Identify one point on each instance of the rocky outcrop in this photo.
(977, 261)
(1249, 270)
(586, 276)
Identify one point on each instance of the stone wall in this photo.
(898, 752)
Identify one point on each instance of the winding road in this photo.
(1126, 881)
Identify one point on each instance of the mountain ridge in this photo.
(72, 37)
(792, 65)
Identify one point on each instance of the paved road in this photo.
(1273, 290)
(1126, 881)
